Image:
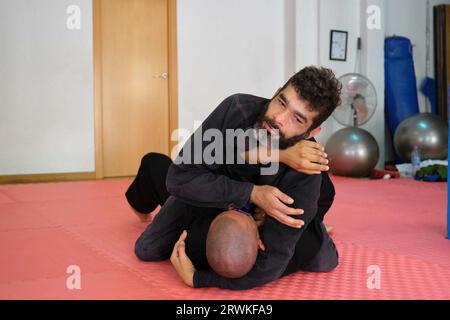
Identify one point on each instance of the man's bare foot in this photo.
(329, 228)
(144, 217)
(147, 217)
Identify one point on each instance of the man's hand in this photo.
(181, 261)
(306, 157)
(270, 200)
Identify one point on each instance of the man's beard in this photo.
(283, 142)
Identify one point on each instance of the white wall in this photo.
(307, 33)
(372, 62)
(46, 88)
(230, 46)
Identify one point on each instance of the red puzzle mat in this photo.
(397, 225)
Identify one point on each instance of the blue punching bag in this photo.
(400, 82)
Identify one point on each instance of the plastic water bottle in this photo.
(415, 160)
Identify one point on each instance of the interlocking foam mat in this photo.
(398, 226)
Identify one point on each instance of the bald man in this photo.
(232, 244)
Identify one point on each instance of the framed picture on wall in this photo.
(338, 45)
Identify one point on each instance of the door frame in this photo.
(172, 79)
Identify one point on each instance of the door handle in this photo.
(163, 75)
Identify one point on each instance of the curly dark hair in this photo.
(320, 88)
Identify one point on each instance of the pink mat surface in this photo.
(396, 225)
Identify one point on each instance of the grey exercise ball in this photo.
(353, 152)
(425, 130)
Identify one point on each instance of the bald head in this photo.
(232, 244)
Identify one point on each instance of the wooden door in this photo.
(132, 42)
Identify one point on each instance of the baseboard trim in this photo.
(47, 177)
